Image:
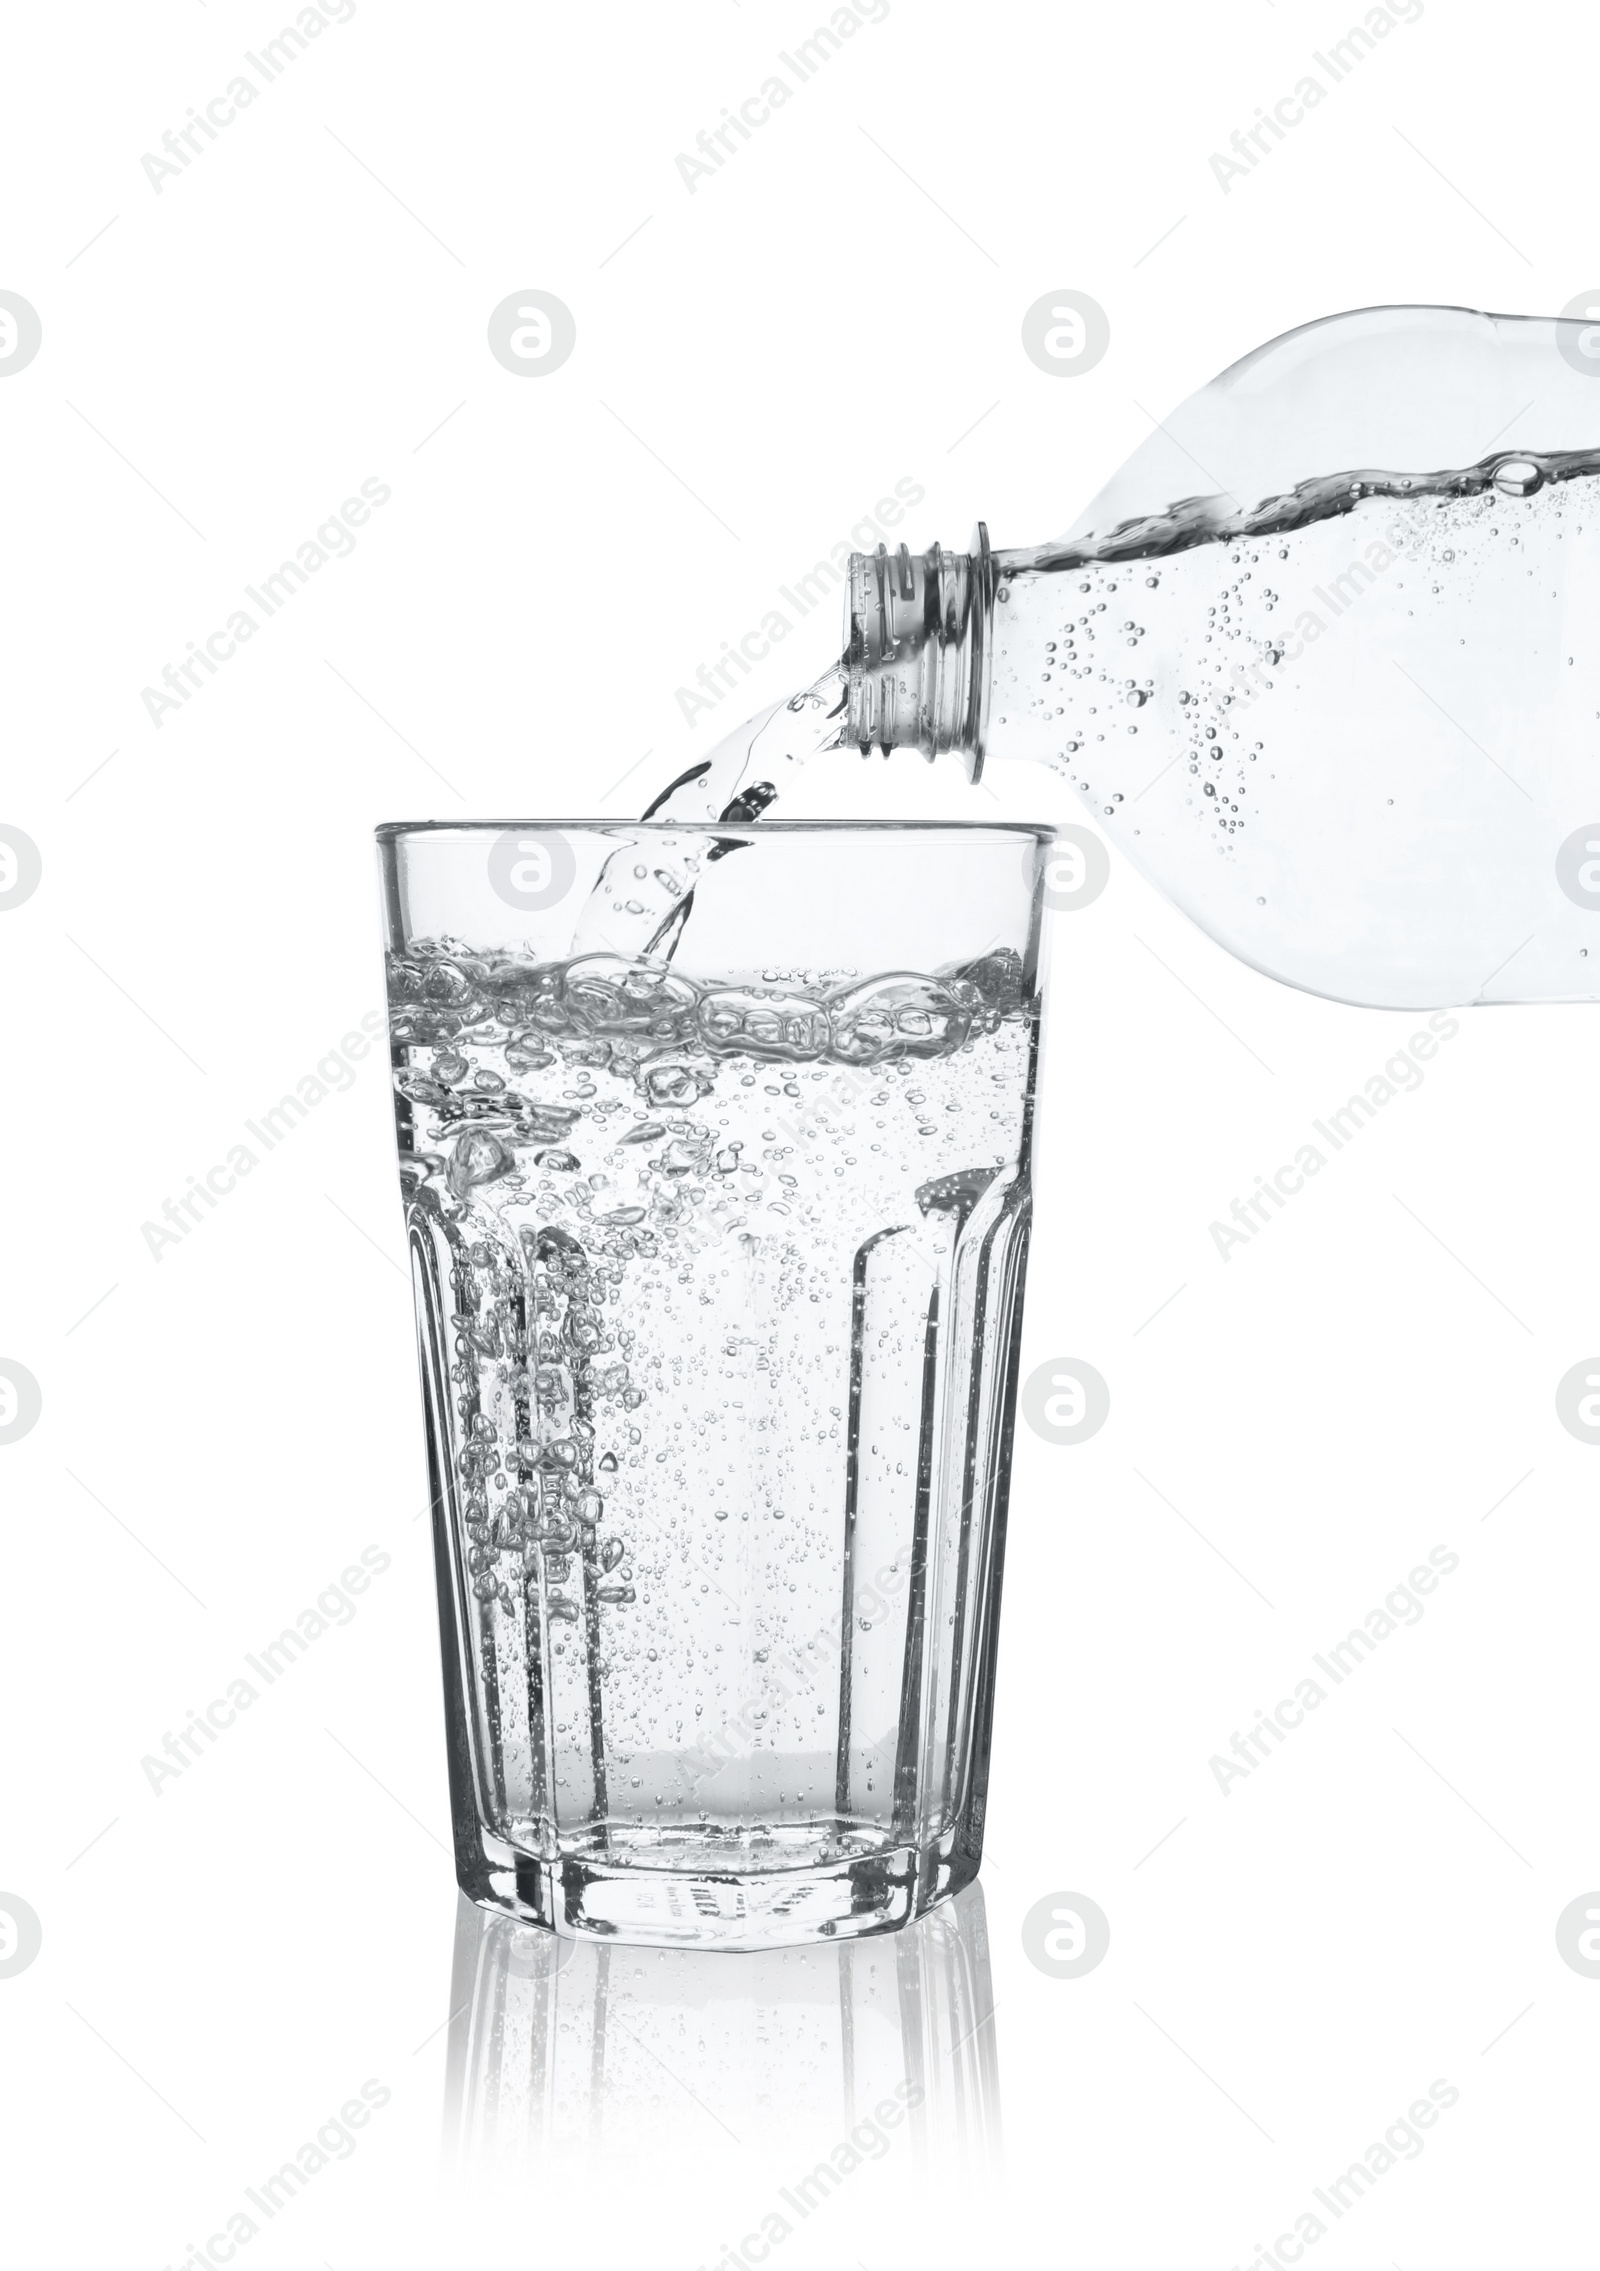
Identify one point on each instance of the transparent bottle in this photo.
(1317, 656)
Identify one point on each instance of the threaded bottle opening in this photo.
(917, 650)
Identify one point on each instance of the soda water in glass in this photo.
(718, 1237)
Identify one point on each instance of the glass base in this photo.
(586, 1896)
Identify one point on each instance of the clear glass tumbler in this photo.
(718, 1221)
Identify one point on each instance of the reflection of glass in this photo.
(559, 2044)
(719, 1266)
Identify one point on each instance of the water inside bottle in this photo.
(1349, 723)
(1349, 735)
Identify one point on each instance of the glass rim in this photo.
(1042, 831)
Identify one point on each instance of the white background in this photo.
(757, 362)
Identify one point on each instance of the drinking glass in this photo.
(714, 1148)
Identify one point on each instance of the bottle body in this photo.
(1339, 706)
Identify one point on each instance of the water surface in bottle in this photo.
(1348, 720)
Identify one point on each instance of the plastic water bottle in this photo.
(1320, 657)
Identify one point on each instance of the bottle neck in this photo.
(919, 649)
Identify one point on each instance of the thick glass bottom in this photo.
(701, 1901)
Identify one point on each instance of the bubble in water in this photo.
(897, 1017)
(658, 1282)
(419, 1088)
(1518, 477)
(476, 1159)
(768, 1025)
(674, 1084)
